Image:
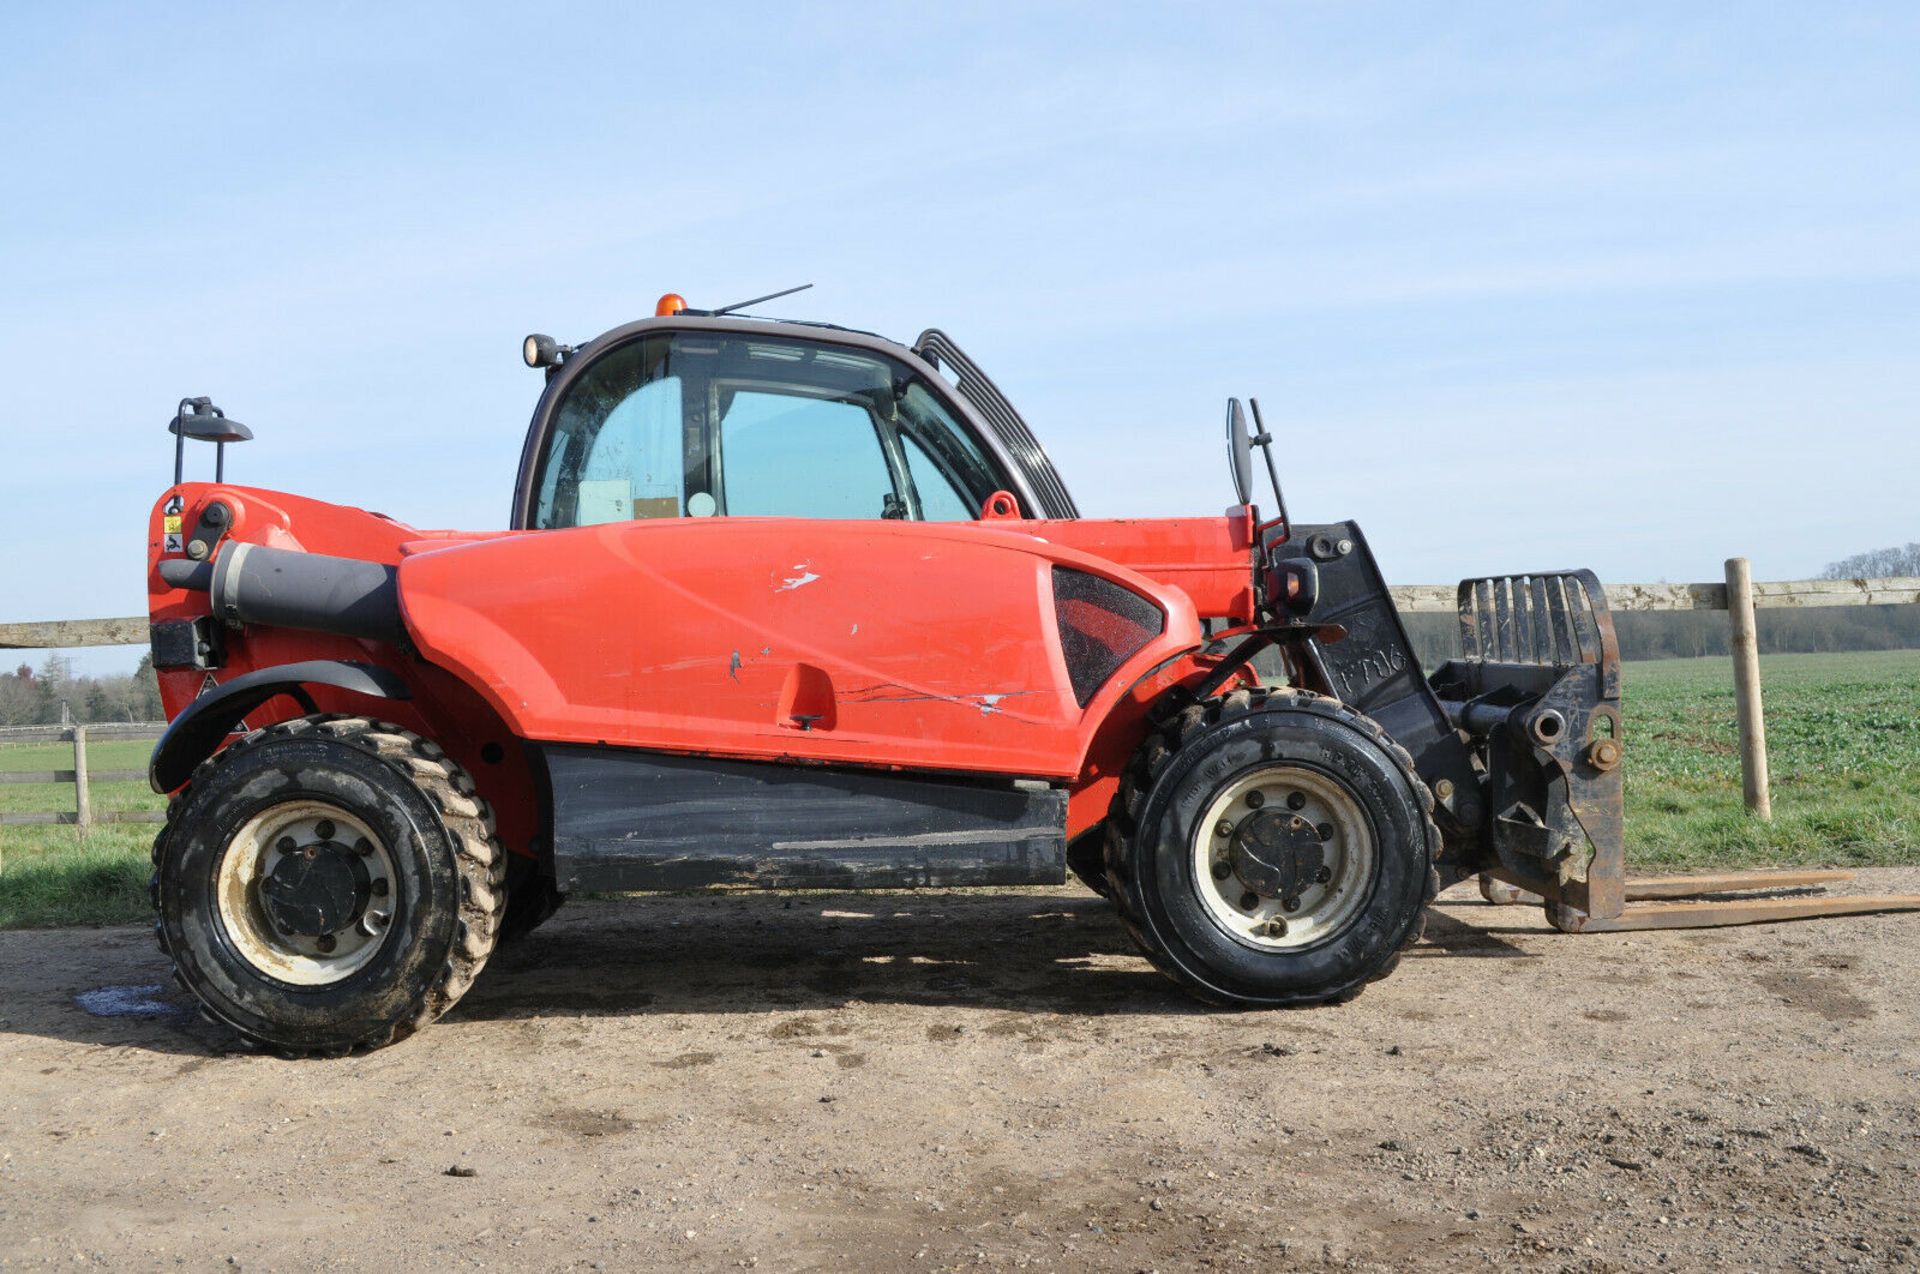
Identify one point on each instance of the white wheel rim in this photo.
(249, 862)
(1322, 902)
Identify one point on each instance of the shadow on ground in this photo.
(1056, 952)
(1047, 952)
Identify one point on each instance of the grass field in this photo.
(50, 875)
(1843, 734)
(1843, 740)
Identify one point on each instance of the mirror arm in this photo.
(180, 441)
(1264, 441)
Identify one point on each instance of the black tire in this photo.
(1172, 782)
(532, 897)
(446, 893)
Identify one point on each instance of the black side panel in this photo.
(938, 348)
(631, 820)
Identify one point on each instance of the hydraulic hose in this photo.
(283, 588)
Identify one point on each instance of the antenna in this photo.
(771, 296)
(1264, 440)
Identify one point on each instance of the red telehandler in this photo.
(792, 606)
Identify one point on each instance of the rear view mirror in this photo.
(1239, 452)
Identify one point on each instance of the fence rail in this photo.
(1793, 594)
(1738, 595)
(82, 815)
(98, 731)
(59, 634)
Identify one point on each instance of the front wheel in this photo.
(326, 884)
(1273, 850)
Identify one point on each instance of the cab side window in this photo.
(940, 499)
(785, 456)
(616, 449)
(634, 467)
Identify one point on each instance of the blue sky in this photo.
(1628, 286)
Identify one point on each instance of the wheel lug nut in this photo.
(1248, 901)
(1324, 831)
(1224, 829)
(1290, 904)
(324, 829)
(1221, 871)
(1320, 877)
(1255, 799)
(1296, 800)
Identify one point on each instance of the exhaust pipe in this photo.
(283, 588)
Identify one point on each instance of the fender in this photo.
(200, 727)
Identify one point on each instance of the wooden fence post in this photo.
(1746, 689)
(82, 799)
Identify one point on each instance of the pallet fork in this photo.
(1538, 693)
(1693, 902)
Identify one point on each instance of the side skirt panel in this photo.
(633, 820)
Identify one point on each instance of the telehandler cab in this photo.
(787, 605)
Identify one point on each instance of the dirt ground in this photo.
(939, 1080)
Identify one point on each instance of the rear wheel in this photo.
(1273, 849)
(326, 884)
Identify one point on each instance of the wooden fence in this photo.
(1738, 595)
(82, 778)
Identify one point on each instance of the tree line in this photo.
(52, 695)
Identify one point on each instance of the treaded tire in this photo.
(1169, 785)
(448, 897)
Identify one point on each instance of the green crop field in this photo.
(1843, 740)
(1843, 733)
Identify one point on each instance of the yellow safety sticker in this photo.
(171, 524)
